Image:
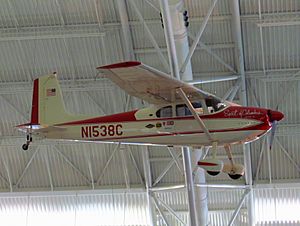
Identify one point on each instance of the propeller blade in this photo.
(273, 130)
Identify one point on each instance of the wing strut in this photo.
(195, 114)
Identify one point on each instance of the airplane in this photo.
(179, 115)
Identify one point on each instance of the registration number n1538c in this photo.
(101, 130)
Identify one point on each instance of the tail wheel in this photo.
(28, 141)
(25, 147)
(235, 176)
(213, 173)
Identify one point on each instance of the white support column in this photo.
(190, 186)
(127, 39)
(148, 184)
(169, 35)
(178, 49)
(237, 34)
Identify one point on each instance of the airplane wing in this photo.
(150, 84)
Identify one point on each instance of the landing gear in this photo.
(213, 173)
(235, 176)
(28, 141)
(212, 166)
(234, 171)
(25, 147)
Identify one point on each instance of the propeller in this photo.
(272, 135)
(274, 117)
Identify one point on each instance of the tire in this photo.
(213, 173)
(25, 147)
(235, 176)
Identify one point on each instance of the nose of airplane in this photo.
(275, 115)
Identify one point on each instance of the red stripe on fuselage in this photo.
(35, 103)
(262, 127)
(259, 114)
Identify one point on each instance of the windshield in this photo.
(214, 105)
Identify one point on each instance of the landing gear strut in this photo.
(28, 141)
(212, 166)
(234, 171)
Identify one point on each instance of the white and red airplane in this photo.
(180, 115)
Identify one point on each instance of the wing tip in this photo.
(121, 65)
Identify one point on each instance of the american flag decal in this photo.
(51, 92)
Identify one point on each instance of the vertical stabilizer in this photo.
(48, 107)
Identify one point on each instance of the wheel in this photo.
(213, 173)
(235, 176)
(25, 147)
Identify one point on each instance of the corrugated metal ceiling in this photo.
(74, 37)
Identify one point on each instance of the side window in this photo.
(183, 110)
(164, 112)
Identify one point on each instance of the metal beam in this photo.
(126, 32)
(263, 148)
(238, 207)
(261, 39)
(61, 16)
(51, 35)
(205, 80)
(74, 167)
(150, 36)
(107, 163)
(201, 47)
(87, 155)
(297, 166)
(13, 108)
(96, 104)
(26, 167)
(99, 18)
(176, 159)
(160, 210)
(6, 166)
(152, 5)
(209, 50)
(46, 156)
(231, 93)
(198, 36)
(135, 165)
(171, 211)
(125, 166)
(164, 172)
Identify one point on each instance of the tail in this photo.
(48, 107)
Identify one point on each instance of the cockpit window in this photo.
(164, 112)
(183, 110)
(214, 105)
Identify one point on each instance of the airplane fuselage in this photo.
(233, 124)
